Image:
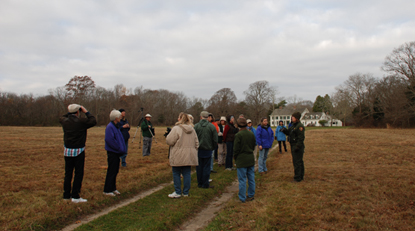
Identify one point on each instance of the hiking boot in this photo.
(250, 199)
(174, 195)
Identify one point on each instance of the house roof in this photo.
(284, 111)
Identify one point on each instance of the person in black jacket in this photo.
(124, 128)
(74, 137)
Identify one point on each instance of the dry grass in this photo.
(32, 171)
(356, 179)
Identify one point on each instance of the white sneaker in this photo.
(228, 169)
(210, 180)
(109, 194)
(116, 192)
(174, 195)
(79, 200)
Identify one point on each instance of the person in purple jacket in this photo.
(115, 146)
(264, 139)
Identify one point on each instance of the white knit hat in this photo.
(148, 115)
(73, 108)
(223, 118)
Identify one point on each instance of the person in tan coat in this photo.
(184, 144)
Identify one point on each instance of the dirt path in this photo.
(203, 218)
(114, 207)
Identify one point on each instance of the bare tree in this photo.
(80, 88)
(223, 102)
(259, 97)
(401, 62)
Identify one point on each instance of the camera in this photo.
(167, 132)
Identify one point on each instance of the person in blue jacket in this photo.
(280, 136)
(264, 139)
(115, 146)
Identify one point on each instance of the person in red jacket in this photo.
(229, 137)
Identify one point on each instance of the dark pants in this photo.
(216, 154)
(279, 145)
(112, 171)
(72, 163)
(298, 164)
(203, 172)
(229, 155)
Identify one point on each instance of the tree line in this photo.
(163, 105)
(362, 100)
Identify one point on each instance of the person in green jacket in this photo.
(148, 134)
(296, 134)
(243, 153)
(208, 141)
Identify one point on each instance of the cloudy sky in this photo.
(304, 48)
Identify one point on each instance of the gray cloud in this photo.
(306, 48)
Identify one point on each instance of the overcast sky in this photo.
(304, 48)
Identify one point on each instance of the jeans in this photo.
(185, 171)
(123, 163)
(262, 160)
(147, 145)
(221, 153)
(72, 163)
(229, 155)
(112, 172)
(244, 173)
(203, 172)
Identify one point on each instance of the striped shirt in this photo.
(72, 152)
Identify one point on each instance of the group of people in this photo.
(195, 145)
(116, 145)
(190, 145)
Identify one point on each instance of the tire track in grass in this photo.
(114, 207)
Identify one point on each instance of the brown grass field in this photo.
(32, 171)
(356, 179)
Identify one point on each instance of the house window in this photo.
(276, 117)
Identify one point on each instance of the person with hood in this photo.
(115, 146)
(208, 140)
(183, 143)
(229, 137)
(264, 139)
(124, 128)
(280, 136)
(244, 146)
(297, 137)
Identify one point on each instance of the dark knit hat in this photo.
(241, 122)
(121, 110)
(297, 115)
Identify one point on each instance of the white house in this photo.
(307, 118)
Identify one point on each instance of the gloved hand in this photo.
(284, 130)
(220, 134)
